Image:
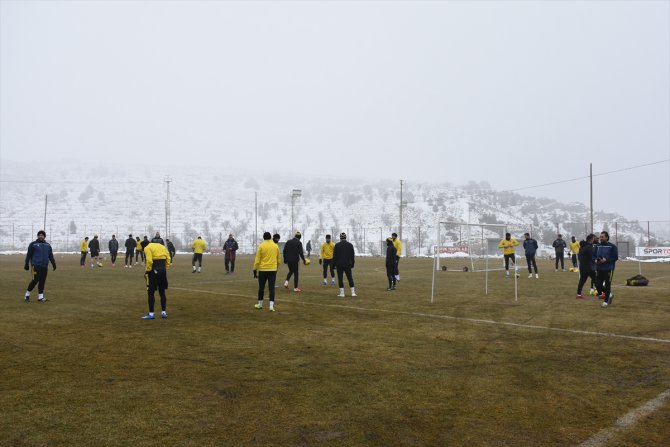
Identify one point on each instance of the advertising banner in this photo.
(652, 251)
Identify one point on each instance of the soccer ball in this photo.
(99, 264)
(307, 261)
(517, 275)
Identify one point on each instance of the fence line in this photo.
(418, 240)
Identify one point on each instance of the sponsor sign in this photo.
(457, 249)
(652, 251)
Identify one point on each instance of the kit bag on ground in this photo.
(637, 280)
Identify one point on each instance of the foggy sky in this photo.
(513, 93)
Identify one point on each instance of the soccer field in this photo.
(381, 369)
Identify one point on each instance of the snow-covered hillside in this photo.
(122, 199)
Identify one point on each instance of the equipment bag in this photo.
(637, 280)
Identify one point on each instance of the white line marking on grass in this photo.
(626, 421)
(446, 317)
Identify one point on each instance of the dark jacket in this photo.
(40, 254)
(606, 250)
(343, 254)
(530, 246)
(145, 242)
(130, 244)
(230, 247)
(585, 257)
(293, 251)
(559, 245)
(94, 245)
(113, 245)
(170, 247)
(390, 255)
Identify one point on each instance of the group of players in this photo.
(157, 256)
(594, 257)
(596, 260)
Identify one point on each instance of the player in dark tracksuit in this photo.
(130, 250)
(344, 259)
(230, 248)
(560, 246)
(292, 255)
(113, 249)
(530, 249)
(39, 255)
(390, 263)
(586, 265)
(605, 255)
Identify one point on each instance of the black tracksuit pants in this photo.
(270, 278)
(583, 276)
(293, 270)
(39, 278)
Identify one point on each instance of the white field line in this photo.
(446, 317)
(626, 421)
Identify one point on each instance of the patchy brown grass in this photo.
(378, 370)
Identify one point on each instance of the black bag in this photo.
(637, 280)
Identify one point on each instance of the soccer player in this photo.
(39, 255)
(158, 239)
(574, 251)
(292, 255)
(507, 246)
(605, 255)
(586, 265)
(113, 249)
(139, 250)
(530, 249)
(198, 247)
(130, 251)
(397, 243)
(344, 259)
(308, 247)
(83, 247)
(326, 259)
(559, 247)
(94, 246)
(266, 264)
(171, 249)
(230, 248)
(390, 263)
(157, 262)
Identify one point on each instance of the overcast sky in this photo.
(514, 93)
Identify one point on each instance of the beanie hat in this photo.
(343, 235)
(298, 235)
(266, 236)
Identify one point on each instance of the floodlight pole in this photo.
(45, 212)
(167, 206)
(400, 229)
(294, 194)
(591, 192)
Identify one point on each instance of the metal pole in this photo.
(400, 230)
(45, 212)
(256, 230)
(591, 192)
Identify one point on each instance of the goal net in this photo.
(470, 248)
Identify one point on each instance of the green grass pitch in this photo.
(381, 369)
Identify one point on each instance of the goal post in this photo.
(468, 247)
